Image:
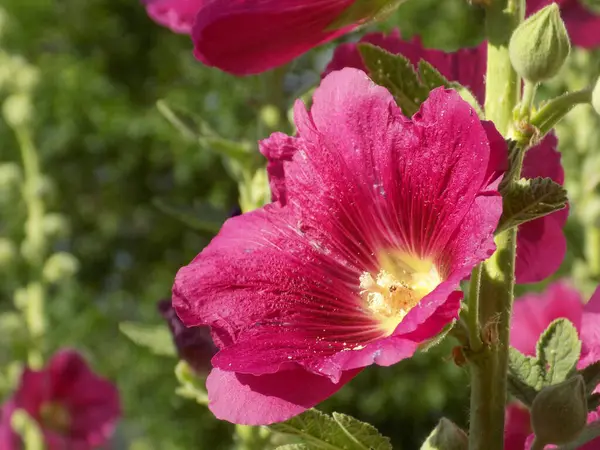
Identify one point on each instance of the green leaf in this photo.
(431, 77)
(529, 199)
(525, 376)
(192, 385)
(364, 434)
(446, 436)
(429, 344)
(521, 391)
(203, 217)
(361, 11)
(397, 74)
(319, 431)
(591, 376)
(294, 447)
(558, 350)
(156, 338)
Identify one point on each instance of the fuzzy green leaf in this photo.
(558, 350)
(396, 74)
(529, 199)
(191, 385)
(591, 376)
(319, 431)
(156, 338)
(525, 376)
(294, 447)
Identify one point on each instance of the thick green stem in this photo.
(527, 102)
(592, 248)
(489, 365)
(472, 319)
(553, 111)
(34, 246)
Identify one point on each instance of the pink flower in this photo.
(376, 221)
(250, 36)
(466, 66)
(531, 316)
(75, 408)
(177, 15)
(541, 245)
(582, 24)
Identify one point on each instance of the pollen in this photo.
(399, 286)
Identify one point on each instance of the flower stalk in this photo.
(496, 290)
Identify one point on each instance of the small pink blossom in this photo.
(541, 245)
(466, 66)
(74, 408)
(582, 23)
(177, 15)
(376, 221)
(531, 316)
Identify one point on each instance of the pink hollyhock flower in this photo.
(582, 23)
(376, 220)
(531, 316)
(541, 245)
(74, 408)
(250, 36)
(177, 15)
(466, 66)
(194, 345)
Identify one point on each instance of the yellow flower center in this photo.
(402, 281)
(55, 417)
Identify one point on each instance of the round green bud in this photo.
(60, 266)
(540, 46)
(17, 109)
(596, 97)
(559, 412)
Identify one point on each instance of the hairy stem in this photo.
(496, 290)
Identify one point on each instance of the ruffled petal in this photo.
(533, 313)
(177, 15)
(541, 243)
(266, 399)
(250, 36)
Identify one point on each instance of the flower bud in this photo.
(60, 266)
(446, 436)
(559, 412)
(17, 110)
(539, 46)
(596, 97)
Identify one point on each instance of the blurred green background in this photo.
(113, 165)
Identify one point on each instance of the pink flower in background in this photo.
(74, 408)
(582, 23)
(541, 245)
(194, 345)
(376, 221)
(250, 36)
(466, 66)
(531, 316)
(177, 15)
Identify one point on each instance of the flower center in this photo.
(402, 281)
(55, 417)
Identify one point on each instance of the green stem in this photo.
(496, 291)
(527, 101)
(553, 111)
(592, 248)
(34, 244)
(472, 319)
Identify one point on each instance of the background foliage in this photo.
(111, 162)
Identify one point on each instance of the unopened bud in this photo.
(60, 266)
(539, 46)
(559, 412)
(446, 436)
(596, 97)
(17, 109)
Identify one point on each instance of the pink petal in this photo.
(541, 244)
(250, 36)
(278, 148)
(177, 15)
(266, 399)
(516, 427)
(533, 313)
(590, 331)
(466, 66)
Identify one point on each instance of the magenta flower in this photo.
(194, 345)
(541, 245)
(582, 23)
(376, 221)
(75, 408)
(466, 66)
(250, 36)
(531, 316)
(177, 15)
